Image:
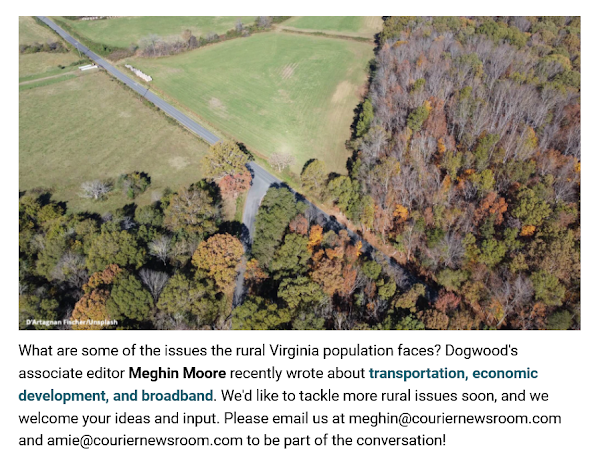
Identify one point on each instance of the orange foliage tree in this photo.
(92, 305)
(232, 185)
(218, 257)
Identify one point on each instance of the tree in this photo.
(275, 213)
(129, 301)
(149, 215)
(239, 27)
(150, 42)
(291, 257)
(280, 161)
(299, 225)
(365, 119)
(530, 209)
(95, 189)
(117, 247)
(218, 257)
(232, 186)
(417, 117)
(315, 237)
(301, 294)
(134, 183)
(492, 252)
(192, 210)
(314, 178)
(327, 271)
(40, 308)
(154, 281)
(371, 269)
(547, 288)
(196, 300)
(223, 159)
(559, 320)
(256, 313)
(308, 321)
(160, 248)
(264, 22)
(408, 300)
(89, 309)
(434, 320)
(343, 191)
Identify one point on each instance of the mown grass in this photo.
(91, 128)
(42, 64)
(122, 32)
(272, 91)
(363, 26)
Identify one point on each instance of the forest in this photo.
(465, 175)
(467, 164)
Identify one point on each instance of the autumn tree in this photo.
(218, 258)
(224, 159)
(299, 225)
(327, 271)
(91, 307)
(232, 185)
(192, 210)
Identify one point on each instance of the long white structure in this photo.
(138, 73)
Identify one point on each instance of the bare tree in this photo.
(155, 281)
(280, 161)
(71, 268)
(239, 27)
(150, 42)
(160, 248)
(212, 36)
(95, 189)
(264, 21)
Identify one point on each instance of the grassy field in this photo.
(31, 32)
(361, 26)
(47, 81)
(89, 127)
(272, 91)
(41, 64)
(122, 32)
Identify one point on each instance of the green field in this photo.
(122, 32)
(40, 64)
(361, 26)
(89, 127)
(272, 91)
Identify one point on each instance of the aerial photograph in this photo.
(299, 173)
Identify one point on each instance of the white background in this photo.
(567, 362)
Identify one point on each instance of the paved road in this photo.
(163, 105)
(261, 179)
